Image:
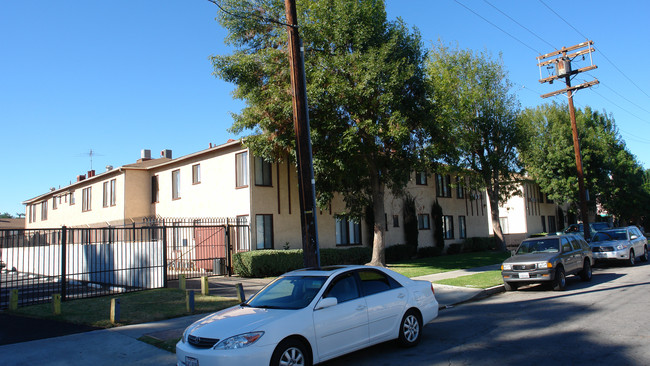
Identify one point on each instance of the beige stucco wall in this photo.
(216, 194)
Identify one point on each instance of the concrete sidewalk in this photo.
(119, 346)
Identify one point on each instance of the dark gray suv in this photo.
(549, 260)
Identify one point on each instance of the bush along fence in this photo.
(87, 262)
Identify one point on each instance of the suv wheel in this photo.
(585, 274)
(632, 259)
(560, 280)
(510, 286)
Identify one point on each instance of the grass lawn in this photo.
(446, 263)
(135, 307)
(479, 280)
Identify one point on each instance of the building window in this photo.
(462, 227)
(86, 197)
(105, 191)
(443, 185)
(395, 220)
(72, 199)
(44, 210)
(243, 236)
(196, 174)
(460, 187)
(421, 178)
(423, 222)
(32, 213)
(448, 227)
(551, 224)
(262, 172)
(176, 184)
(348, 232)
(113, 193)
(55, 203)
(241, 170)
(154, 189)
(264, 229)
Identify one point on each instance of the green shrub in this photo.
(268, 263)
(426, 252)
(396, 253)
(455, 248)
(479, 244)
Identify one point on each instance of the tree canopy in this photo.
(365, 89)
(473, 99)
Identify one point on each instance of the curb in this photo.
(479, 296)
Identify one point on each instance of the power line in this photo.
(495, 26)
(621, 95)
(519, 24)
(632, 114)
(558, 15)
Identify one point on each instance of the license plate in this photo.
(524, 275)
(191, 361)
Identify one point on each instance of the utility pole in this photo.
(562, 65)
(306, 182)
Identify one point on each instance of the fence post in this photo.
(64, 245)
(181, 282)
(13, 300)
(228, 258)
(241, 296)
(164, 249)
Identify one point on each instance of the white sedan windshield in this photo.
(294, 292)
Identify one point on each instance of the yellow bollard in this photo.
(13, 300)
(205, 286)
(189, 301)
(115, 310)
(56, 304)
(181, 282)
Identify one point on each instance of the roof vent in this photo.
(109, 168)
(80, 177)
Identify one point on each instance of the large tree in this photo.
(473, 98)
(613, 177)
(365, 90)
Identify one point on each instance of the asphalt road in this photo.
(602, 322)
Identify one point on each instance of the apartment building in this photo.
(228, 181)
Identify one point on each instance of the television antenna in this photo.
(90, 154)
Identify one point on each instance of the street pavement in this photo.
(120, 345)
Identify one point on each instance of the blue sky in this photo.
(119, 76)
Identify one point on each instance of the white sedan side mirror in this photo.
(326, 302)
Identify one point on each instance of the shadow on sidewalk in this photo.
(16, 329)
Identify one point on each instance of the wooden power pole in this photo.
(562, 62)
(306, 182)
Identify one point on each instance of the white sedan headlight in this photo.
(620, 246)
(239, 341)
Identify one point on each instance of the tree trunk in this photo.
(378, 244)
(493, 196)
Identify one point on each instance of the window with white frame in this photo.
(44, 210)
(86, 199)
(105, 194)
(196, 174)
(113, 193)
(348, 232)
(176, 184)
(241, 170)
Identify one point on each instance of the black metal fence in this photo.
(88, 262)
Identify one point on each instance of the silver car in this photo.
(622, 243)
(549, 260)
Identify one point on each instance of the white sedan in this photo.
(311, 315)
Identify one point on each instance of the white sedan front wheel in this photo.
(290, 352)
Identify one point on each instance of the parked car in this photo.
(549, 260)
(311, 315)
(594, 227)
(623, 244)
